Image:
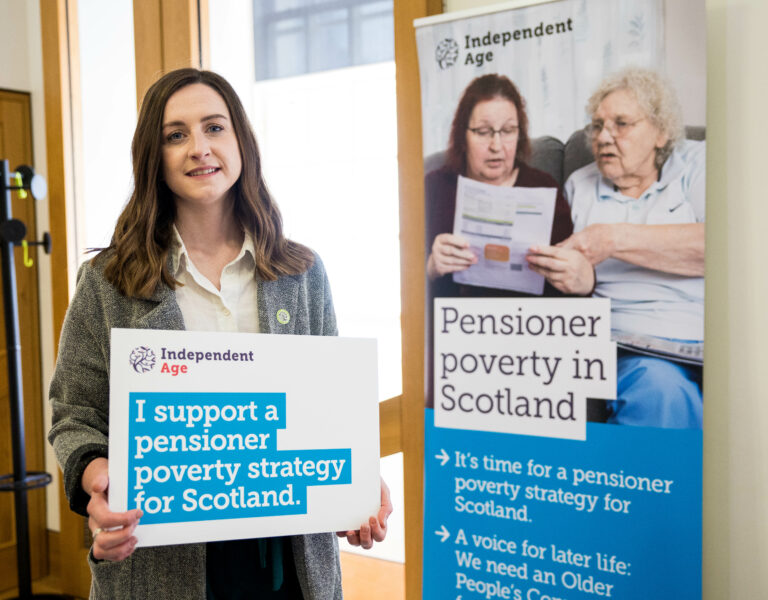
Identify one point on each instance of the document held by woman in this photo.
(501, 223)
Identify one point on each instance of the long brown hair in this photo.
(485, 87)
(136, 261)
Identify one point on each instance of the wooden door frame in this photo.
(412, 277)
(59, 39)
(167, 35)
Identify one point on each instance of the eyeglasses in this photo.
(507, 134)
(618, 128)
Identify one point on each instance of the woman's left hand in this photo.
(566, 269)
(376, 528)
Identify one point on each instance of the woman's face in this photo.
(492, 136)
(625, 145)
(201, 155)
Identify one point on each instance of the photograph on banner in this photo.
(589, 116)
(213, 436)
(564, 164)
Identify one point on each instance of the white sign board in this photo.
(522, 365)
(221, 436)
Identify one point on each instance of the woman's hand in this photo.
(567, 270)
(450, 253)
(112, 532)
(595, 242)
(675, 248)
(376, 528)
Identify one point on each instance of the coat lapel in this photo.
(165, 315)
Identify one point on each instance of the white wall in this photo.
(736, 324)
(736, 411)
(22, 69)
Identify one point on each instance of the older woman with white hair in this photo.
(638, 214)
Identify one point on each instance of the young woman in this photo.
(199, 246)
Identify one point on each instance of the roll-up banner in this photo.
(564, 156)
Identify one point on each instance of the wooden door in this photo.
(16, 147)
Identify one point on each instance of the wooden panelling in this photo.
(181, 37)
(366, 578)
(166, 37)
(59, 34)
(390, 424)
(58, 142)
(54, 562)
(16, 147)
(148, 42)
(412, 276)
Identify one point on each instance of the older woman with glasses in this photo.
(638, 213)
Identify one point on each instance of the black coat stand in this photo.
(12, 232)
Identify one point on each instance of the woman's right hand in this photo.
(112, 532)
(450, 253)
(567, 270)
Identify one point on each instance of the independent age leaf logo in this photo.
(142, 359)
(446, 53)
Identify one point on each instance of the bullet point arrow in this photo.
(443, 532)
(442, 457)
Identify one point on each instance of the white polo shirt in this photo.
(204, 308)
(643, 300)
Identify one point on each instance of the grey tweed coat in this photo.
(79, 396)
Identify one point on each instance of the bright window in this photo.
(328, 142)
(294, 37)
(108, 117)
(330, 158)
